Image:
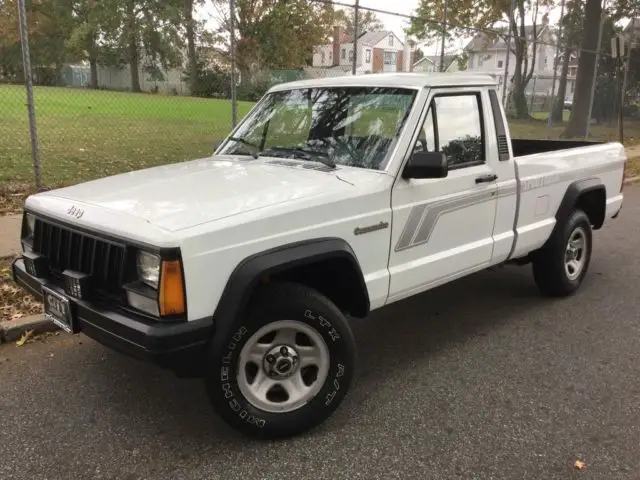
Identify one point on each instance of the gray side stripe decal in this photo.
(413, 222)
(436, 210)
(423, 218)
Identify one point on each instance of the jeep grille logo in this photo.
(75, 212)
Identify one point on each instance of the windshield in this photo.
(352, 126)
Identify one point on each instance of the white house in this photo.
(488, 54)
(380, 51)
(431, 63)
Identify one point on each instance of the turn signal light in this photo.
(172, 298)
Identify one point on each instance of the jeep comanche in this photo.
(331, 198)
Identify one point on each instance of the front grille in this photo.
(66, 249)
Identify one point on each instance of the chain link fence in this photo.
(99, 115)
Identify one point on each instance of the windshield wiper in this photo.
(249, 144)
(303, 154)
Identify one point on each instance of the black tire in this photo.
(271, 303)
(548, 263)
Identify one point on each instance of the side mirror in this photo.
(426, 165)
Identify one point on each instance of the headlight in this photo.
(149, 268)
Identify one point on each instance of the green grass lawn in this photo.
(88, 134)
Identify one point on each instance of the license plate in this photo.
(57, 309)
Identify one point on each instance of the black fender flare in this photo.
(248, 273)
(571, 196)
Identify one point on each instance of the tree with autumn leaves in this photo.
(147, 34)
(581, 16)
(482, 20)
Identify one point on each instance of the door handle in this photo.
(487, 178)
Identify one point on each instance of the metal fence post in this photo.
(356, 24)
(26, 64)
(232, 31)
(533, 94)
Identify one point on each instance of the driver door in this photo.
(443, 228)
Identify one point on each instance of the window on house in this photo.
(389, 58)
(500, 63)
(368, 56)
(350, 55)
(453, 126)
(343, 54)
(546, 61)
(323, 56)
(391, 39)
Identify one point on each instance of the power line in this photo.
(491, 31)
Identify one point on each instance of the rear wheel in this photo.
(285, 367)
(560, 266)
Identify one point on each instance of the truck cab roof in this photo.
(406, 80)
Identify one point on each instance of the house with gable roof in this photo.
(378, 51)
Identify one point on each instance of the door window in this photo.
(454, 126)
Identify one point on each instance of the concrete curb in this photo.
(13, 330)
(628, 181)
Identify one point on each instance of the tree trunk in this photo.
(191, 45)
(132, 46)
(577, 126)
(558, 107)
(518, 96)
(133, 67)
(521, 74)
(93, 62)
(93, 59)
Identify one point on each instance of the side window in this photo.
(427, 136)
(454, 126)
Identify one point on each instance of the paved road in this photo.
(481, 379)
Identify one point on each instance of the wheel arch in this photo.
(283, 263)
(589, 195)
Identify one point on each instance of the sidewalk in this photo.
(10, 235)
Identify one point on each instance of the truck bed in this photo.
(525, 146)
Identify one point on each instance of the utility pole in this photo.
(355, 37)
(444, 32)
(26, 65)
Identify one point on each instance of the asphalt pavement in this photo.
(479, 379)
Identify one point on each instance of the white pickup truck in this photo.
(330, 199)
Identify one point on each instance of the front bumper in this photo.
(178, 346)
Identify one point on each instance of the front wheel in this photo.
(286, 365)
(560, 267)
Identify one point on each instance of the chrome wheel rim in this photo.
(283, 366)
(575, 253)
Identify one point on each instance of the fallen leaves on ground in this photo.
(12, 196)
(580, 465)
(24, 338)
(15, 303)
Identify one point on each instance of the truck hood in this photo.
(182, 195)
